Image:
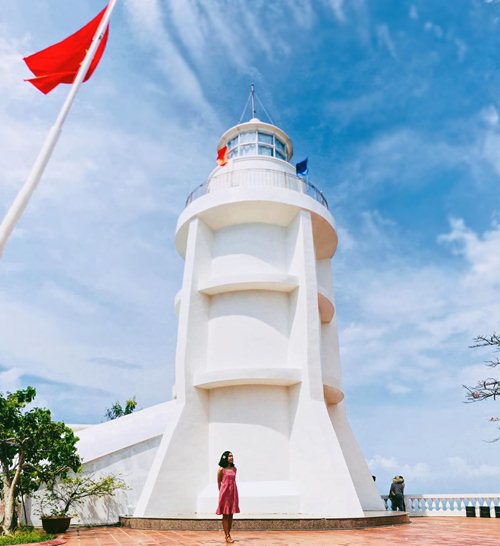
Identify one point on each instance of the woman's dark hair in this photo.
(224, 459)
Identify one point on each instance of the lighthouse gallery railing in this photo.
(252, 178)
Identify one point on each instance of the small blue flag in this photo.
(301, 168)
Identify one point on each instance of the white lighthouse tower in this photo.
(257, 363)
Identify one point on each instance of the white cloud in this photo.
(434, 28)
(191, 26)
(19, 137)
(480, 251)
(302, 12)
(470, 375)
(398, 388)
(385, 39)
(146, 18)
(460, 467)
(345, 111)
(259, 36)
(491, 149)
(58, 347)
(104, 215)
(418, 158)
(337, 7)
(402, 151)
(12, 71)
(490, 115)
(230, 38)
(414, 473)
(10, 380)
(461, 48)
(420, 473)
(449, 36)
(411, 323)
(193, 41)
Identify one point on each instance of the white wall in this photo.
(248, 248)
(248, 329)
(131, 464)
(253, 423)
(330, 359)
(325, 280)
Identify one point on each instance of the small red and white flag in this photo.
(222, 156)
(59, 63)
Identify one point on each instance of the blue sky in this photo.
(396, 105)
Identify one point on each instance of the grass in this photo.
(25, 536)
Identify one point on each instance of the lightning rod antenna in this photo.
(252, 94)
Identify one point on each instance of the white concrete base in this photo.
(268, 522)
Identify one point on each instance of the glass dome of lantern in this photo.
(254, 138)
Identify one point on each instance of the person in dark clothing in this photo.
(397, 493)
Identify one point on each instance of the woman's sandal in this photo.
(229, 539)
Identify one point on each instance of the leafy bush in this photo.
(70, 492)
(25, 536)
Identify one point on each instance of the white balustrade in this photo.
(448, 505)
(253, 178)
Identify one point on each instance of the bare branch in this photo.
(485, 341)
(486, 388)
(493, 363)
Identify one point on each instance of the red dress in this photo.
(228, 493)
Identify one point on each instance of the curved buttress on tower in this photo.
(257, 363)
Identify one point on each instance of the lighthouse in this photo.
(257, 360)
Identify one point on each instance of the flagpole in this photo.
(22, 198)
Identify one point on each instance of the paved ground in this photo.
(452, 531)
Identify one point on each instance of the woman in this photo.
(228, 493)
(397, 494)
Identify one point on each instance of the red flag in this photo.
(222, 156)
(59, 63)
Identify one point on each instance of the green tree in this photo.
(33, 449)
(117, 410)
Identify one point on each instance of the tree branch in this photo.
(485, 341)
(487, 388)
